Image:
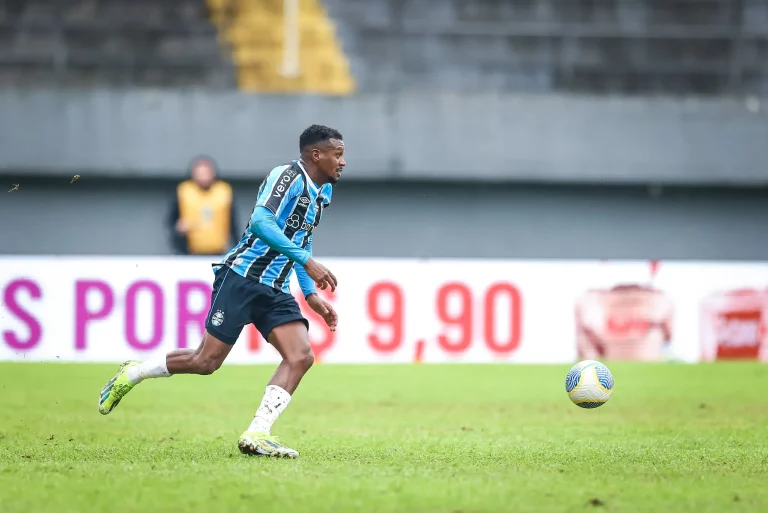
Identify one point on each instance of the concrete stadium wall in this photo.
(489, 137)
(52, 216)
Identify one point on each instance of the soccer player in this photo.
(251, 285)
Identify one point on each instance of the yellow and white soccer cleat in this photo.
(264, 444)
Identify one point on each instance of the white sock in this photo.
(272, 405)
(149, 369)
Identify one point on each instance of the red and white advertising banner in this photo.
(104, 309)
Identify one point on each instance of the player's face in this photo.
(330, 160)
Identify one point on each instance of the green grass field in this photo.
(415, 438)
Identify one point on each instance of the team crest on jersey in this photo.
(304, 201)
(218, 318)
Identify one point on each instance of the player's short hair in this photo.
(318, 133)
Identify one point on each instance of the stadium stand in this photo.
(592, 46)
(586, 46)
(153, 43)
(168, 43)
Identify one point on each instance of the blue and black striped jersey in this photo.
(297, 203)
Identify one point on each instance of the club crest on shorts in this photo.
(218, 318)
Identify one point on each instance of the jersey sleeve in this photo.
(264, 226)
(306, 283)
(283, 184)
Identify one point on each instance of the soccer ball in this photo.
(589, 384)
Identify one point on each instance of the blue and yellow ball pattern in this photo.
(589, 384)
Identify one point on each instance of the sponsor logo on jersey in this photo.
(293, 222)
(282, 185)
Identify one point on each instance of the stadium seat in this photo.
(255, 32)
(134, 43)
(585, 46)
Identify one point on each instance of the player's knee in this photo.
(308, 359)
(302, 360)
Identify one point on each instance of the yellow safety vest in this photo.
(208, 213)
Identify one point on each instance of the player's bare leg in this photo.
(292, 342)
(206, 359)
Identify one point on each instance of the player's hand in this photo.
(324, 309)
(320, 274)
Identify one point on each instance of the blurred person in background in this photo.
(202, 215)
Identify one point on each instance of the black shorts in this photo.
(237, 301)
